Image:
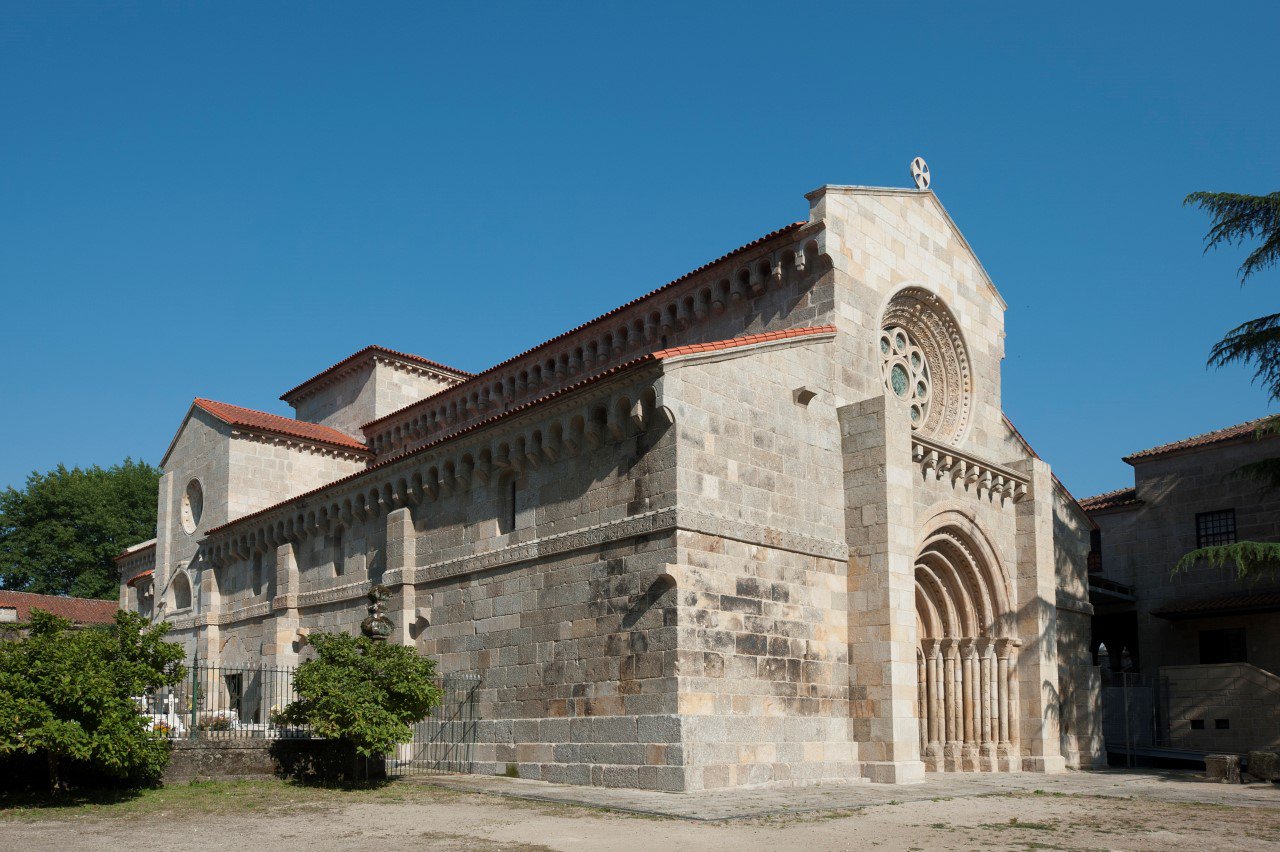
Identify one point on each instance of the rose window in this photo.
(906, 372)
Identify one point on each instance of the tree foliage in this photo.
(1242, 219)
(365, 693)
(68, 696)
(59, 534)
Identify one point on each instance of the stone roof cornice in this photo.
(372, 355)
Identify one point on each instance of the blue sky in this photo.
(222, 199)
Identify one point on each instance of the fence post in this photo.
(195, 694)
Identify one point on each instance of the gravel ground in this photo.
(278, 816)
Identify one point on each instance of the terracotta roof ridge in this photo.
(265, 421)
(744, 340)
(373, 347)
(1226, 433)
(1111, 499)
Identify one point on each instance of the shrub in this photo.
(66, 696)
(365, 693)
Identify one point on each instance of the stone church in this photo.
(766, 524)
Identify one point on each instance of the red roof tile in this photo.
(261, 421)
(133, 581)
(78, 610)
(1219, 436)
(1111, 500)
(745, 340)
(377, 350)
(653, 357)
(1228, 605)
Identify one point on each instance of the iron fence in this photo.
(1135, 713)
(246, 701)
(444, 742)
(223, 701)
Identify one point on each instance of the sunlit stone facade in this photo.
(766, 524)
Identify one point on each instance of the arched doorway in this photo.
(966, 662)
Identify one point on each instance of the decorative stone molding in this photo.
(968, 472)
(701, 522)
(260, 609)
(942, 409)
(662, 520)
(325, 450)
(1071, 603)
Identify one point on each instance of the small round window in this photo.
(192, 506)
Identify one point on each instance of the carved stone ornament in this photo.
(926, 363)
(377, 626)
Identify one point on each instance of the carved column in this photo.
(1002, 685)
(922, 698)
(986, 657)
(955, 703)
(933, 659)
(968, 661)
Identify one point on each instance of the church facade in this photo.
(765, 524)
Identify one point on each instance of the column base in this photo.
(894, 772)
(1048, 764)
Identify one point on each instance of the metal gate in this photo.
(1135, 714)
(445, 741)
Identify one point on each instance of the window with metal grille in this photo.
(1214, 528)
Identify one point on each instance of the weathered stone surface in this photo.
(1224, 768)
(1264, 766)
(683, 574)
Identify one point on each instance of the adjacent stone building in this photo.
(765, 524)
(1205, 642)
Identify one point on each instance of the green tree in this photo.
(1244, 219)
(60, 533)
(67, 695)
(365, 693)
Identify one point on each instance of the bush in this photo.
(365, 693)
(66, 698)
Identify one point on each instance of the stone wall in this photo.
(1142, 543)
(1243, 697)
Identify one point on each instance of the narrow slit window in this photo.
(339, 558)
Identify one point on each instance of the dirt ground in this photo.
(278, 816)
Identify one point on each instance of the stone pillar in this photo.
(1037, 613)
(284, 608)
(402, 543)
(209, 599)
(951, 660)
(987, 728)
(969, 662)
(922, 699)
(1002, 692)
(933, 703)
(880, 529)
